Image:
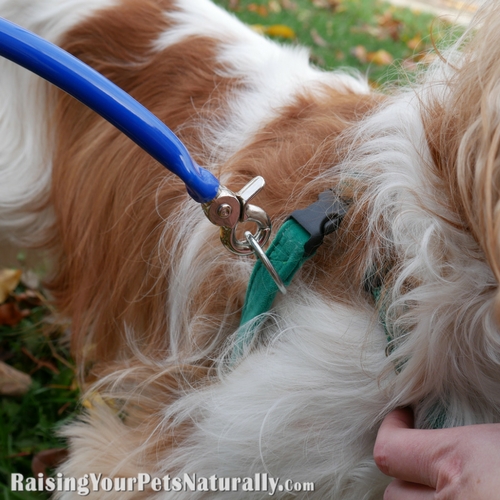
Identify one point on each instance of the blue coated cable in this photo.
(112, 103)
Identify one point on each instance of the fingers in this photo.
(402, 418)
(401, 490)
(408, 454)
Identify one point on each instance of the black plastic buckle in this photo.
(321, 218)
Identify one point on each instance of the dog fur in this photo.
(154, 300)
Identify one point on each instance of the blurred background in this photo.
(383, 40)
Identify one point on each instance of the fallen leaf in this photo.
(414, 42)
(426, 57)
(327, 4)
(360, 53)
(13, 382)
(392, 26)
(289, 5)
(11, 314)
(380, 57)
(30, 298)
(48, 459)
(9, 279)
(261, 10)
(280, 30)
(317, 39)
(234, 4)
(274, 6)
(374, 31)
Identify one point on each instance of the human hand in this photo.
(461, 463)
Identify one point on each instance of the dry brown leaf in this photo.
(426, 57)
(380, 57)
(274, 6)
(13, 382)
(414, 42)
(360, 53)
(261, 10)
(11, 314)
(48, 459)
(9, 279)
(30, 298)
(234, 4)
(391, 25)
(289, 5)
(317, 39)
(327, 4)
(378, 32)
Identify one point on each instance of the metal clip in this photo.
(228, 209)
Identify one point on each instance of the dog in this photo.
(398, 307)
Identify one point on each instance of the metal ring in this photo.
(250, 214)
(265, 261)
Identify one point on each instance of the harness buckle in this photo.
(321, 218)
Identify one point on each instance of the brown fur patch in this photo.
(111, 199)
(292, 153)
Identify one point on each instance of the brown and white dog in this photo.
(153, 298)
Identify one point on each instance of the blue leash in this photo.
(222, 207)
(112, 103)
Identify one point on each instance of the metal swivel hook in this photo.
(228, 209)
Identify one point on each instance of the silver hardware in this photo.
(246, 193)
(228, 209)
(265, 261)
(224, 197)
(224, 211)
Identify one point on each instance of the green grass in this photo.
(28, 424)
(332, 29)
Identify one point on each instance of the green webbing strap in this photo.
(297, 241)
(287, 255)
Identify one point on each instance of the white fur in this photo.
(453, 304)
(25, 160)
(303, 405)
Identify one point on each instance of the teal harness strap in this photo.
(287, 255)
(295, 243)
